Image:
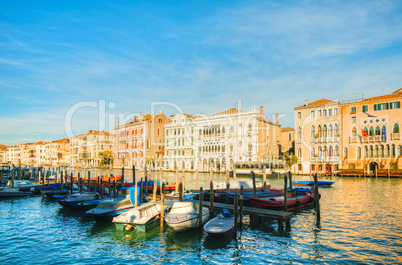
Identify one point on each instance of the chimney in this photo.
(277, 118)
(160, 112)
(262, 112)
(306, 102)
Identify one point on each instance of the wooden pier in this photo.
(254, 212)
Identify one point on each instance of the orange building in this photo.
(371, 138)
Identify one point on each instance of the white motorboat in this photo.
(109, 208)
(185, 215)
(25, 185)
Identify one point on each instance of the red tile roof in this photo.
(319, 102)
(287, 129)
(229, 111)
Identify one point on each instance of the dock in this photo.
(257, 212)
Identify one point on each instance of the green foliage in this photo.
(393, 165)
(290, 159)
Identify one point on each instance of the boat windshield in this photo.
(105, 205)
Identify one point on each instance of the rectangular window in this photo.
(330, 112)
(299, 115)
(192, 152)
(319, 113)
(324, 112)
(353, 119)
(312, 114)
(336, 111)
(365, 108)
(353, 110)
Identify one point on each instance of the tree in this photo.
(290, 159)
(107, 157)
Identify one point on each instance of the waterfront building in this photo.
(216, 141)
(3, 154)
(40, 153)
(14, 154)
(371, 135)
(287, 142)
(317, 147)
(85, 149)
(55, 152)
(139, 141)
(180, 142)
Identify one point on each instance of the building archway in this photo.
(373, 167)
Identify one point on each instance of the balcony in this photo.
(336, 139)
(298, 141)
(353, 139)
(313, 159)
(395, 136)
(312, 140)
(373, 139)
(324, 139)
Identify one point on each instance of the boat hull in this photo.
(187, 224)
(278, 203)
(219, 226)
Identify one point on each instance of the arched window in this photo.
(399, 150)
(331, 151)
(345, 153)
(319, 151)
(231, 129)
(396, 128)
(299, 153)
(312, 152)
(331, 131)
(319, 131)
(354, 132)
(336, 130)
(376, 151)
(290, 137)
(382, 150)
(312, 132)
(371, 132)
(200, 132)
(377, 131)
(325, 131)
(159, 132)
(324, 152)
(359, 152)
(366, 131)
(371, 151)
(387, 150)
(223, 130)
(299, 133)
(393, 150)
(366, 151)
(336, 151)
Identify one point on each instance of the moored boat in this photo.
(185, 215)
(13, 192)
(295, 200)
(109, 208)
(74, 199)
(57, 189)
(221, 225)
(311, 183)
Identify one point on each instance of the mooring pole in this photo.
(290, 181)
(155, 187)
(264, 174)
(211, 198)
(285, 192)
(177, 180)
(316, 198)
(235, 209)
(196, 178)
(241, 205)
(134, 173)
(122, 177)
(162, 204)
(254, 186)
(200, 208)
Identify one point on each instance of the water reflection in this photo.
(213, 243)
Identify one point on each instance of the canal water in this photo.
(361, 223)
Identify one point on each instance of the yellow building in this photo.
(371, 136)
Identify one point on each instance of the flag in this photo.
(364, 133)
(385, 133)
(372, 131)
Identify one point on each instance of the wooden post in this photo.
(49, 173)
(31, 178)
(176, 188)
(89, 180)
(235, 209)
(114, 189)
(61, 180)
(196, 178)
(155, 187)
(122, 177)
(210, 174)
(136, 194)
(162, 204)
(71, 182)
(41, 178)
(80, 181)
(183, 181)
(1, 176)
(316, 198)
(110, 187)
(200, 208)
(141, 189)
(12, 180)
(241, 205)
(254, 187)
(290, 181)
(180, 192)
(285, 192)
(264, 174)
(211, 197)
(101, 188)
(227, 185)
(134, 173)
(146, 182)
(97, 184)
(234, 172)
(19, 170)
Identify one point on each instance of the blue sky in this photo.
(202, 56)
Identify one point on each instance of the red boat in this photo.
(296, 201)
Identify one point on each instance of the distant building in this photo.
(85, 148)
(139, 141)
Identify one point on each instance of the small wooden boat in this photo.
(311, 183)
(221, 225)
(295, 200)
(109, 208)
(57, 189)
(7, 192)
(184, 216)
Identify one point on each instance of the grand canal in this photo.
(360, 224)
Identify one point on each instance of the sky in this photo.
(67, 67)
